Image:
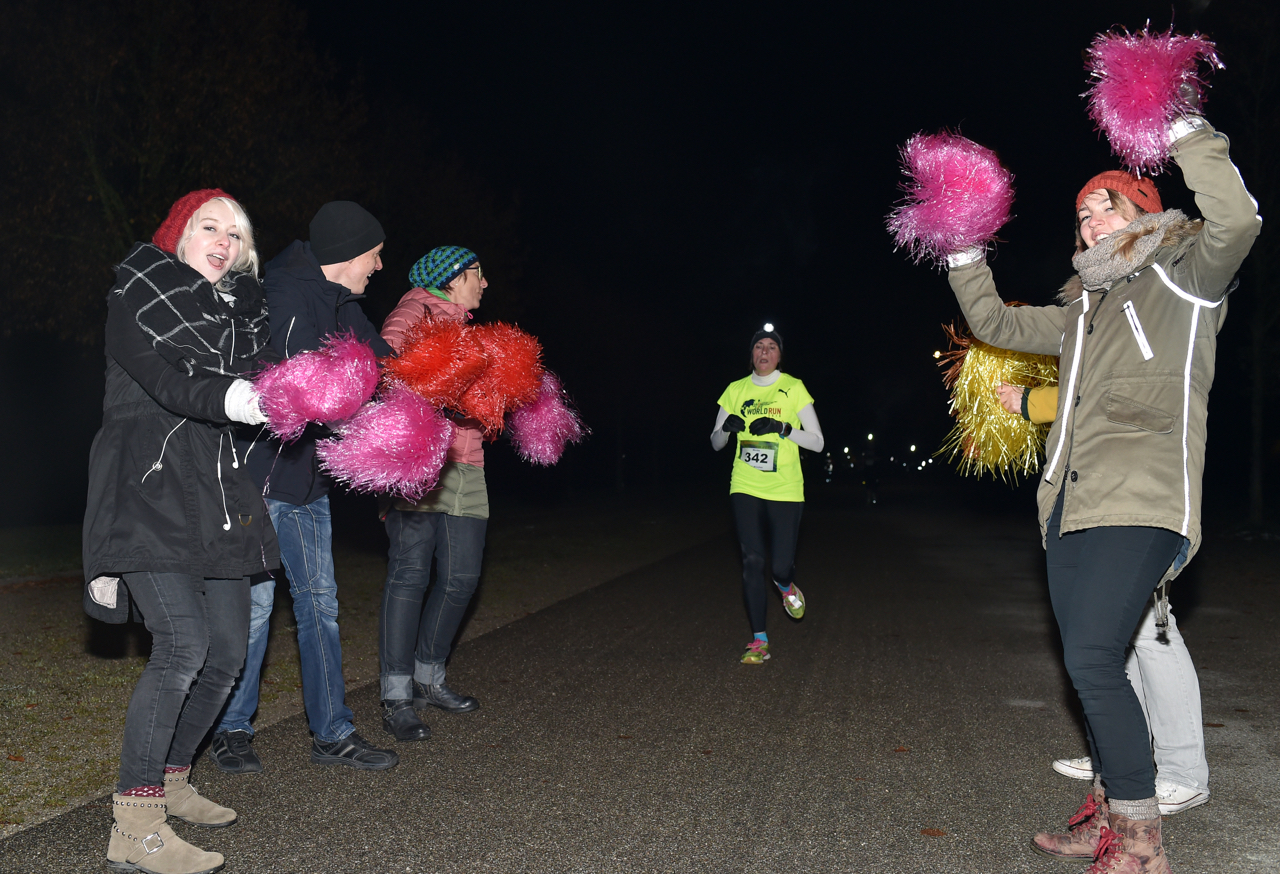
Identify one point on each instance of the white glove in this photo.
(241, 403)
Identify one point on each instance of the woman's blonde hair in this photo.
(246, 261)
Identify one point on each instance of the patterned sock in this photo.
(175, 769)
(762, 637)
(144, 792)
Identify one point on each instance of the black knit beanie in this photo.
(343, 230)
(771, 334)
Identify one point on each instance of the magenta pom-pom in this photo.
(322, 385)
(541, 429)
(957, 196)
(394, 445)
(1142, 83)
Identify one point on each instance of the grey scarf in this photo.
(1100, 266)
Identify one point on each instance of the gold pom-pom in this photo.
(988, 438)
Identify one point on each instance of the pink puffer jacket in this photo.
(468, 445)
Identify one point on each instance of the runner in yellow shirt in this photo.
(771, 414)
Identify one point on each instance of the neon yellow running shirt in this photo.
(767, 466)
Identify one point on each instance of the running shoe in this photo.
(793, 601)
(1076, 769)
(757, 652)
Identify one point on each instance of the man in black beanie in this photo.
(314, 290)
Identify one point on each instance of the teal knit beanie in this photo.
(439, 267)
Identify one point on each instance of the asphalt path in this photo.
(906, 724)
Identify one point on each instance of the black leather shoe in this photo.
(443, 697)
(231, 752)
(353, 751)
(399, 721)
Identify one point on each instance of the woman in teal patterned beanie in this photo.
(419, 618)
(436, 269)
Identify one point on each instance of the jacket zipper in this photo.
(1136, 327)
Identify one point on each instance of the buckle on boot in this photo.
(149, 849)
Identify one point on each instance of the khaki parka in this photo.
(1136, 362)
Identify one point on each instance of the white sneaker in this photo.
(1076, 769)
(1175, 799)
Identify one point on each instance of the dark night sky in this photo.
(685, 173)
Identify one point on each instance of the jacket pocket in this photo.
(1131, 313)
(1127, 411)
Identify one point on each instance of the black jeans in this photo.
(1100, 580)
(414, 641)
(199, 632)
(782, 519)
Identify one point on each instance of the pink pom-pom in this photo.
(397, 444)
(322, 385)
(541, 429)
(1144, 82)
(958, 196)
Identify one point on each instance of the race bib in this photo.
(759, 454)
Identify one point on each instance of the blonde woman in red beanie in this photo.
(174, 526)
(1119, 499)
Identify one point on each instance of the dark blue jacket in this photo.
(304, 309)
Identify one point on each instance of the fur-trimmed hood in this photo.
(1178, 229)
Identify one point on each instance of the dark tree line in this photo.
(110, 114)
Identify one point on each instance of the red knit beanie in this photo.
(170, 230)
(1138, 189)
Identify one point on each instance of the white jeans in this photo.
(1169, 691)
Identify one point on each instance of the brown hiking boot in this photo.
(1130, 846)
(1082, 840)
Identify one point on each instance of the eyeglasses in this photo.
(478, 270)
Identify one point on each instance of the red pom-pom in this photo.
(1143, 83)
(541, 429)
(511, 379)
(958, 196)
(439, 359)
(322, 385)
(397, 444)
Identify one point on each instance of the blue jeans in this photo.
(413, 642)
(306, 550)
(198, 632)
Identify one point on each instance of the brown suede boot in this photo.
(1131, 844)
(1082, 839)
(142, 841)
(184, 802)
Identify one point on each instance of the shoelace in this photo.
(1110, 846)
(757, 645)
(1084, 814)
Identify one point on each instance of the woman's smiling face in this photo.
(215, 241)
(1098, 218)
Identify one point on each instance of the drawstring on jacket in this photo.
(226, 526)
(158, 464)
